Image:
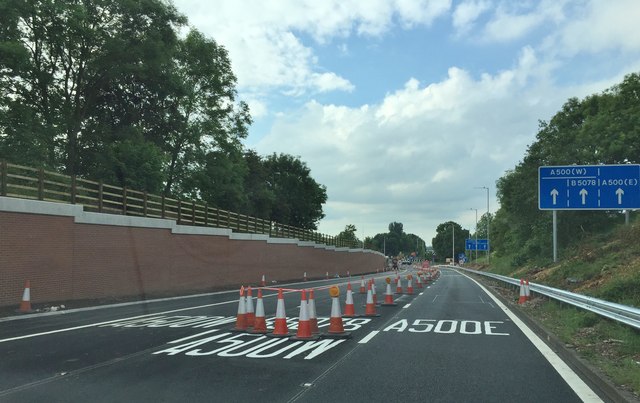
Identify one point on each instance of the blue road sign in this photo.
(589, 187)
(482, 244)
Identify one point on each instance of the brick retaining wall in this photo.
(69, 254)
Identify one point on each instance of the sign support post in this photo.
(555, 236)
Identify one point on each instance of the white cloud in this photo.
(466, 13)
(600, 25)
(264, 43)
(416, 156)
(514, 20)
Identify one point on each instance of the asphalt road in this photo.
(449, 342)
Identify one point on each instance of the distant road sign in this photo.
(482, 244)
(589, 187)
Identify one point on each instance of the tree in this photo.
(298, 198)
(443, 243)
(600, 129)
(348, 236)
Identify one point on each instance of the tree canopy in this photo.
(450, 238)
(600, 129)
(127, 93)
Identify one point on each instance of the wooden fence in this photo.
(37, 184)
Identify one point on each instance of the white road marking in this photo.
(406, 306)
(571, 378)
(434, 300)
(421, 293)
(368, 337)
(68, 329)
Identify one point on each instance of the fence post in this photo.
(3, 177)
(73, 189)
(41, 184)
(206, 215)
(193, 212)
(144, 203)
(162, 207)
(100, 196)
(124, 200)
(179, 210)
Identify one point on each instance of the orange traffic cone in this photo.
(25, 304)
(370, 309)
(260, 323)
(363, 288)
(399, 286)
(419, 280)
(313, 317)
(251, 316)
(263, 283)
(280, 328)
(349, 309)
(409, 285)
(304, 327)
(523, 297)
(336, 327)
(241, 317)
(388, 296)
(527, 292)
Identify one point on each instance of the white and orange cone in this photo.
(349, 308)
(409, 285)
(241, 317)
(260, 323)
(280, 328)
(370, 309)
(527, 292)
(419, 281)
(305, 276)
(313, 317)
(523, 296)
(388, 296)
(373, 291)
(399, 286)
(363, 287)
(336, 327)
(304, 325)
(249, 312)
(263, 283)
(25, 304)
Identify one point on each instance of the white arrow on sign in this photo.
(584, 194)
(619, 192)
(554, 194)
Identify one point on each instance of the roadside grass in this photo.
(612, 347)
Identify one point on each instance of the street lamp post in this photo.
(476, 231)
(453, 244)
(488, 219)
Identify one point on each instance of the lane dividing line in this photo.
(581, 389)
(434, 300)
(406, 306)
(368, 337)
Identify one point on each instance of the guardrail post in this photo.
(100, 196)
(3, 177)
(41, 184)
(73, 189)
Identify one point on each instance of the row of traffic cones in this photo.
(247, 321)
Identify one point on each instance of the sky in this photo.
(406, 109)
